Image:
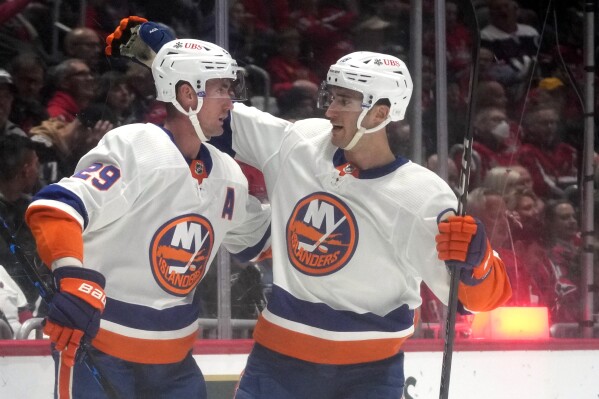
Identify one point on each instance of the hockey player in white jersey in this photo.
(130, 235)
(355, 230)
(354, 233)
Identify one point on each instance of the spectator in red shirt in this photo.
(268, 16)
(563, 244)
(551, 162)
(489, 206)
(327, 25)
(285, 68)
(75, 89)
(459, 45)
(491, 144)
(526, 224)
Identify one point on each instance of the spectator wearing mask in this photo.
(490, 147)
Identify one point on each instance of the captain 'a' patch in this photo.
(322, 234)
(179, 253)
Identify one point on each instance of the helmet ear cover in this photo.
(377, 76)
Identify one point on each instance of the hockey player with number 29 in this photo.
(130, 235)
(355, 230)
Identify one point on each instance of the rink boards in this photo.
(546, 369)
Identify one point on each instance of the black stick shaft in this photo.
(46, 292)
(455, 272)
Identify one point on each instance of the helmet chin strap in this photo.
(192, 114)
(362, 130)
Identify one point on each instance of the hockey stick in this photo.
(46, 292)
(455, 272)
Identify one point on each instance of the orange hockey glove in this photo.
(122, 34)
(462, 242)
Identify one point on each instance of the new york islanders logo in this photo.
(179, 253)
(322, 234)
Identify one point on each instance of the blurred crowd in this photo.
(59, 95)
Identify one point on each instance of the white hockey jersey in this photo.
(349, 253)
(152, 227)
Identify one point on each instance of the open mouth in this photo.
(337, 128)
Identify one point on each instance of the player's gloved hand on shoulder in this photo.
(75, 309)
(138, 39)
(462, 242)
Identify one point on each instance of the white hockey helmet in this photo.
(377, 76)
(194, 62)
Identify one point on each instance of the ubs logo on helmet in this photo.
(179, 253)
(322, 234)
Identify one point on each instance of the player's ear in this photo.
(380, 112)
(186, 95)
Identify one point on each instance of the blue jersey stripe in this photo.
(322, 316)
(54, 192)
(251, 252)
(149, 319)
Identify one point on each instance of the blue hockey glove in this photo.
(75, 309)
(462, 242)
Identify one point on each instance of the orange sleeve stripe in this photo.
(493, 292)
(57, 234)
(147, 351)
(318, 350)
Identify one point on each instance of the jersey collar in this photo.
(203, 154)
(341, 163)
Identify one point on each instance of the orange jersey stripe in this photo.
(318, 350)
(147, 351)
(56, 233)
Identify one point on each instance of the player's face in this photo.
(216, 106)
(343, 112)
